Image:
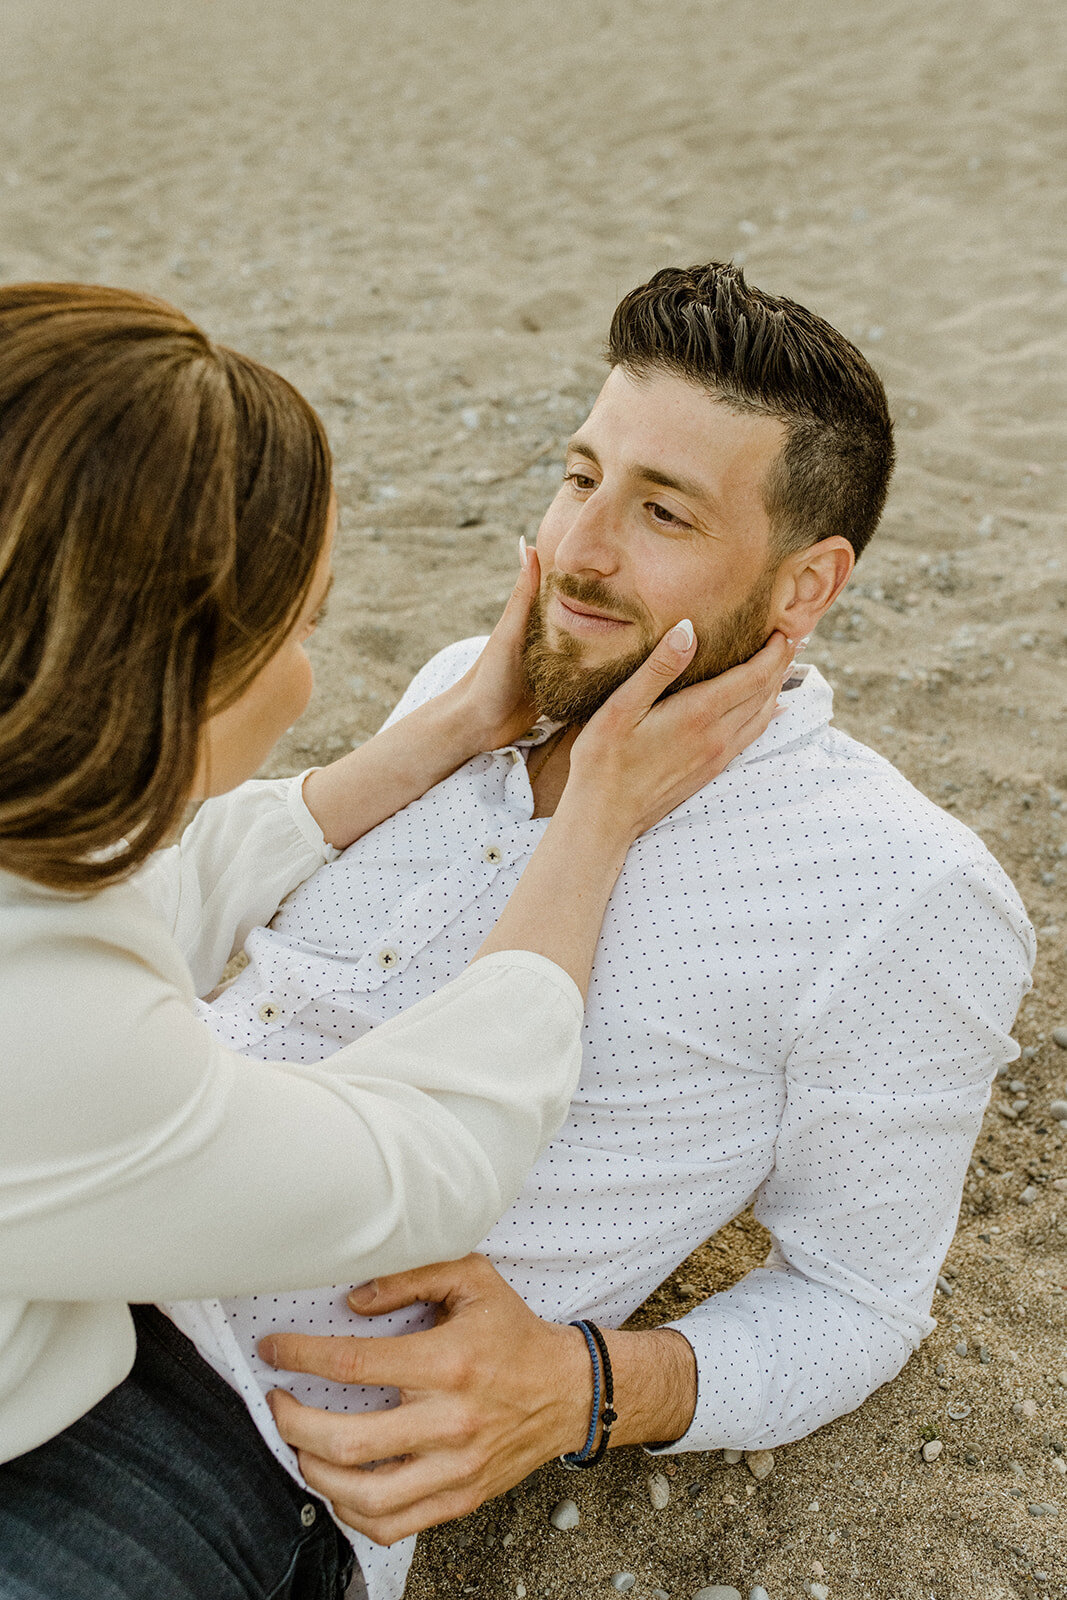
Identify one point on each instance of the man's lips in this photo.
(579, 618)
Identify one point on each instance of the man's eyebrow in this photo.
(687, 486)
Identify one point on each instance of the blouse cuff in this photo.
(303, 819)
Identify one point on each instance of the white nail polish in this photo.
(681, 635)
(524, 556)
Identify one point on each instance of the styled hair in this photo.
(762, 353)
(163, 504)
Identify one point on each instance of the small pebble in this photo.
(1017, 1086)
(520, 1591)
(760, 1463)
(1043, 1509)
(983, 1355)
(819, 1591)
(943, 1285)
(660, 1594)
(718, 1591)
(1059, 1465)
(1058, 1109)
(758, 1593)
(732, 1457)
(564, 1515)
(1029, 1194)
(1060, 1037)
(659, 1491)
(1060, 1185)
(961, 1348)
(932, 1449)
(622, 1582)
(958, 1411)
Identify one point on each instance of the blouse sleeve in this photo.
(140, 1160)
(231, 869)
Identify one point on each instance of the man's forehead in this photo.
(667, 430)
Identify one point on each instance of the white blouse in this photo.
(141, 1160)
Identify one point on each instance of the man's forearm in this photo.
(655, 1376)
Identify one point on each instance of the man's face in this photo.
(660, 516)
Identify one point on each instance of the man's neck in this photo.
(549, 773)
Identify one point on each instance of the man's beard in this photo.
(564, 690)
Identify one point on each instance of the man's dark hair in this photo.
(762, 353)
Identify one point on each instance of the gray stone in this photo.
(564, 1515)
(718, 1591)
(659, 1491)
(943, 1285)
(760, 1463)
(932, 1449)
(1058, 1109)
(819, 1591)
(1029, 1195)
(1043, 1509)
(958, 1411)
(758, 1593)
(622, 1582)
(660, 1594)
(961, 1348)
(732, 1457)
(984, 1355)
(1060, 1037)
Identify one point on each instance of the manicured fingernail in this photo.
(363, 1296)
(524, 554)
(268, 1352)
(681, 636)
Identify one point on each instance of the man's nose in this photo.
(591, 542)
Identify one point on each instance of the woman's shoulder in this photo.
(45, 932)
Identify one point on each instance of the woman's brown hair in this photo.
(163, 503)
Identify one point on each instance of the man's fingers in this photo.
(410, 1361)
(355, 1441)
(397, 1498)
(441, 1283)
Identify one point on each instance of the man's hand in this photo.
(487, 1395)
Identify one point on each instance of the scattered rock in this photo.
(1060, 1037)
(520, 1591)
(718, 1591)
(732, 1457)
(1025, 1408)
(659, 1491)
(958, 1411)
(984, 1355)
(1058, 1109)
(564, 1515)
(1043, 1509)
(961, 1348)
(932, 1449)
(758, 1593)
(944, 1287)
(1060, 1185)
(622, 1582)
(660, 1594)
(819, 1591)
(760, 1463)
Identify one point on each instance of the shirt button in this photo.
(308, 1514)
(493, 854)
(388, 958)
(269, 1011)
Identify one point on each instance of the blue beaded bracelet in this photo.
(587, 1456)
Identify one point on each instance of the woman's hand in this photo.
(648, 755)
(490, 701)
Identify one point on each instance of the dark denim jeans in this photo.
(164, 1491)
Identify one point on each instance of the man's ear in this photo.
(807, 583)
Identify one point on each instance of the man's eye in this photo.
(579, 480)
(667, 518)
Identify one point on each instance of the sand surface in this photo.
(423, 214)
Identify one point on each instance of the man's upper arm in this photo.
(886, 1090)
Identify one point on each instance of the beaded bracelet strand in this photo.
(605, 1419)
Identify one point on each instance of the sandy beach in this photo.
(423, 215)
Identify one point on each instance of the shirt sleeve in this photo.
(233, 866)
(140, 1160)
(885, 1092)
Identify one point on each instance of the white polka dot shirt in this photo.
(804, 986)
